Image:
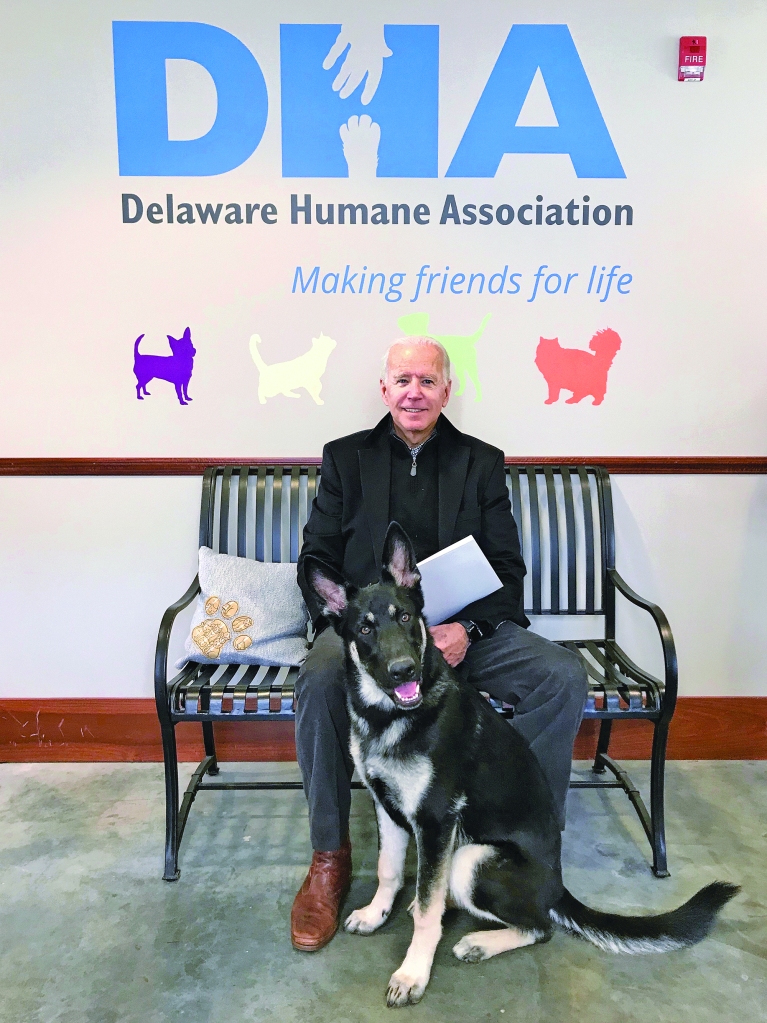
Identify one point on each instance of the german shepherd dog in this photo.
(445, 768)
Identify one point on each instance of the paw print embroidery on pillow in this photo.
(212, 634)
(240, 625)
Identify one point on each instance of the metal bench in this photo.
(564, 514)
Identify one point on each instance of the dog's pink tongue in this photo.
(408, 691)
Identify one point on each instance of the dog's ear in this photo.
(187, 334)
(399, 564)
(330, 588)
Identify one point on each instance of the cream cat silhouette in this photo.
(283, 377)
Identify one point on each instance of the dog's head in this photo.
(182, 346)
(382, 625)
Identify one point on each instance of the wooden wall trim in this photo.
(84, 730)
(127, 466)
(638, 465)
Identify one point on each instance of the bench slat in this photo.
(242, 509)
(223, 514)
(588, 521)
(535, 537)
(553, 517)
(572, 579)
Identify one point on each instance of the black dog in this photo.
(443, 767)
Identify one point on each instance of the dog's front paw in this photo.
(404, 989)
(468, 951)
(366, 919)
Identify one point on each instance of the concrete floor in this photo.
(90, 934)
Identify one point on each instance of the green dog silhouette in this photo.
(460, 348)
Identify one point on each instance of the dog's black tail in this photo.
(135, 346)
(635, 935)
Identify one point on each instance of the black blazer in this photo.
(350, 514)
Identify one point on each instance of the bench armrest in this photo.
(666, 639)
(163, 641)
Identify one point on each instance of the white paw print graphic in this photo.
(212, 634)
(360, 137)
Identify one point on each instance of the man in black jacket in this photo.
(441, 486)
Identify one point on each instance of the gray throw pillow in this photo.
(249, 612)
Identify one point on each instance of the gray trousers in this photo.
(546, 684)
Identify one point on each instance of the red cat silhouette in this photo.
(576, 370)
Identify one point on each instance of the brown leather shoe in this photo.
(314, 917)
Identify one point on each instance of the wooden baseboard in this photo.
(82, 730)
(633, 464)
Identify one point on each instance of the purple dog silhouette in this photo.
(176, 368)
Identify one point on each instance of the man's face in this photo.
(414, 390)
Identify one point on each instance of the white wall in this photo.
(88, 565)
(77, 285)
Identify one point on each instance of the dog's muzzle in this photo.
(408, 694)
(407, 691)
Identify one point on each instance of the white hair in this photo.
(419, 341)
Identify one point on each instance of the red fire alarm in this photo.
(692, 58)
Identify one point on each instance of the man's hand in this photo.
(452, 640)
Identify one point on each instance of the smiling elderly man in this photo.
(440, 485)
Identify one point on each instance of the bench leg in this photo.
(603, 743)
(657, 814)
(210, 746)
(170, 758)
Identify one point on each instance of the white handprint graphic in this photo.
(367, 50)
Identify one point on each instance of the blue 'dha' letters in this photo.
(140, 51)
(492, 130)
(405, 105)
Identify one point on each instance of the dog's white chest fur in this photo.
(407, 779)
